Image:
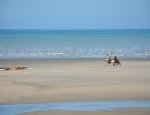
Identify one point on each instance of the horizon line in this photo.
(79, 29)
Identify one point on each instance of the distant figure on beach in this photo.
(115, 58)
(109, 59)
(116, 61)
(112, 59)
(13, 68)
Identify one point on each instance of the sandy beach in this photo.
(61, 80)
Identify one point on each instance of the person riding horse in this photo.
(115, 58)
(112, 59)
(109, 60)
(116, 61)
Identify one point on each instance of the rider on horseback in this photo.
(109, 59)
(115, 58)
(116, 61)
(112, 59)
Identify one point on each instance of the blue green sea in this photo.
(74, 43)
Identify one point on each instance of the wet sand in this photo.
(60, 80)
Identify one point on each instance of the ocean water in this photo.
(14, 109)
(74, 43)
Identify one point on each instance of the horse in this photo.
(109, 61)
(112, 61)
(116, 62)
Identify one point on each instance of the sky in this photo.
(74, 14)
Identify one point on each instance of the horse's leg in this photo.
(119, 63)
(114, 64)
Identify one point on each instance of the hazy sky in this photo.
(74, 14)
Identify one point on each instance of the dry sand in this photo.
(73, 80)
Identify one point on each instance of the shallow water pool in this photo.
(72, 106)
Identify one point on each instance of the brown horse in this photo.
(116, 63)
(109, 61)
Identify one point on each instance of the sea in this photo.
(130, 44)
